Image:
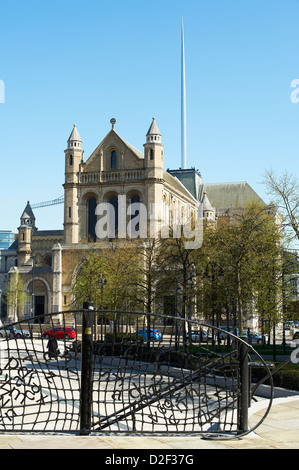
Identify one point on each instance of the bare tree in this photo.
(285, 192)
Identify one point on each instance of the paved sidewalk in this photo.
(280, 430)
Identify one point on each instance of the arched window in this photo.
(113, 159)
(91, 219)
(48, 260)
(71, 160)
(135, 212)
(135, 198)
(151, 154)
(114, 223)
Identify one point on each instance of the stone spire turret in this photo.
(74, 139)
(25, 230)
(28, 217)
(73, 159)
(153, 135)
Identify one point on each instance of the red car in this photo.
(61, 333)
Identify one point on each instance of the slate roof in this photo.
(48, 233)
(191, 179)
(229, 195)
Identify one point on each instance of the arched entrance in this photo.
(39, 295)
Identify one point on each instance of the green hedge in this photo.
(119, 338)
(286, 377)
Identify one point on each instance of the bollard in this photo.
(86, 369)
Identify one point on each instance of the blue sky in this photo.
(68, 61)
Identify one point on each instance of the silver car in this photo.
(12, 332)
(199, 336)
(256, 337)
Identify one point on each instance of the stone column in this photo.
(57, 278)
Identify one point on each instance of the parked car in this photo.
(13, 332)
(155, 334)
(255, 337)
(61, 333)
(288, 325)
(21, 333)
(230, 329)
(199, 336)
(296, 335)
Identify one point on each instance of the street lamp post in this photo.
(0, 306)
(86, 368)
(32, 295)
(102, 282)
(211, 263)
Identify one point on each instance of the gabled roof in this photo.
(114, 134)
(134, 150)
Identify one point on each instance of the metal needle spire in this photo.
(183, 106)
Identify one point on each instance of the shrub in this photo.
(286, 377)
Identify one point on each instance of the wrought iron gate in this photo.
(122, 371)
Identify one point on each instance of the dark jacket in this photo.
(53, 346)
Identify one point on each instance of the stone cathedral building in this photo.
(115, 168)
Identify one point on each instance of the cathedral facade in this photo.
(120, 176)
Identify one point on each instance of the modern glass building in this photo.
(6, 239)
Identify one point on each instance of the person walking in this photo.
(53, 347)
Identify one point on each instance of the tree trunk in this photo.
(240, 302)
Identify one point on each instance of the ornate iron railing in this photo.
(124, 372)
